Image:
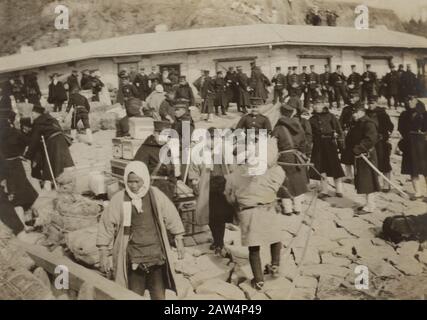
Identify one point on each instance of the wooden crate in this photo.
(117, 148)
(118, 168)
(141, 128)
(130, 148)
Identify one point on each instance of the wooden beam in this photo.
(103, 289)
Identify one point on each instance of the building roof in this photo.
(214, 38)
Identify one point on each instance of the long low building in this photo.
(188, 51)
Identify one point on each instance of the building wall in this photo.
(266, 57)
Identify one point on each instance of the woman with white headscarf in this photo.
(134, 226)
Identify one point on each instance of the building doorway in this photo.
(422, 76)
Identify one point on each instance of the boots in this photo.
(386, 185)
(339, 188)
(417, 188)
(47, 186)
(298, 204)
(349, 174)
(323, 186)
(74, 134)
(370, 205)
(89, 136)
(287, 207)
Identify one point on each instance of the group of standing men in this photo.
(335, 86)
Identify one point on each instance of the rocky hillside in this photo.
(31, 22)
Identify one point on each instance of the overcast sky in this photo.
(404, 8)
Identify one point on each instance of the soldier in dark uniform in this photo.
(258, 83)
(364, 138)
(163, 176)
(303, 78)
(294, 83)
(167, 110)
(313, 87)
(292, 146)
(154, 77)
(7, 94)
(86, 81)
(325, 83)
(392, 83)
(338, 81)
(182, 115)
(73, 81)
(400, 72)
(232, 86)
(409, 85)
(81, 109)
(12, 146)
(254, 120)
(243, 85)
(97, 85)
(383, 146)
(327, 139)
(304, 118)
(184, 91)
(220, 86)
(32, 89)
(354, 82)
(128, 90)
(57, 147)
(208, 95)
(57, 94)
(280, 84)
(413, 128)
(141, 82)
(347, 123)
(369, 89)
(18, 90)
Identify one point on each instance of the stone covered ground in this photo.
(322, 247)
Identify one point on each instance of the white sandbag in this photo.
(82, 243)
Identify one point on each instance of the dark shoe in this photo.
(322, 196)
(224, 113)
(212, 246)
(415, 198)
(297, 213)
(257, 285)
(348, 180)
(272, 269)
(386, 190)
(339, 195)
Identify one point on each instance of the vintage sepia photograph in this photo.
(230, 151)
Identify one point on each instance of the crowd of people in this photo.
(307, 142)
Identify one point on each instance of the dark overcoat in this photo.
(12, 146)
(57, 93)
(149, 153)
(57, 148)
(365, 137)
(324, 155)
(243, 83)
(290, 136)
(413, 128)
(385, 128)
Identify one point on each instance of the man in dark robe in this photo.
(220, 93)
(57, 94)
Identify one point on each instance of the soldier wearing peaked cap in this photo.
(313, 87)
(338, 81)
(184, 91)
(294, 83)
(326, 85)
(369, 86)
(280, 84)
(392, 83)
(220, 86)
(243, 85)
(73, 81)
(364, 138)
(85, 81)
(57, 94)
(254, 120)
(164, 176)
(354, 82)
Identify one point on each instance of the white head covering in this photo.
(140, 169)
(159, 88)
